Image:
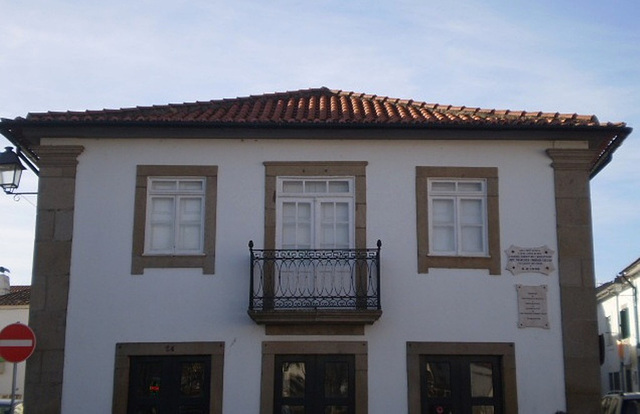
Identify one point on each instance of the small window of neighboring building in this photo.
(174, 218)
(624, 324)
(457, 218)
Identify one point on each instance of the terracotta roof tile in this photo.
(323, 105)
(18, 295)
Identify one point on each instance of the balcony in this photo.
(330, 291)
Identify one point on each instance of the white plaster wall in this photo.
(9, 315)
(108, 305)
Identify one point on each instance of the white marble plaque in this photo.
(532, 307)
(530, 260)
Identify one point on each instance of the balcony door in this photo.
(315, 213)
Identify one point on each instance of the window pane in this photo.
(161, 237)
(162, 209)
(471, 211)
(293, 379)
(192, 379)
(444, 186)
(336, 380)
(292, 409)
(442, 211)
(338, 186)
(163, 185)
(292, 187)
(191, 185)
(472, 239)
(190, 209)
(315, 187)
(466, 186)
(481, 375)
(438, 379)
(189, 237)
(443, 239)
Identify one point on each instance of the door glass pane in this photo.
(481, 375)
(440, 409)
(438, 379)
(336, 409)
(192, 379)
(292, 409)
(336, 379)
(482, 409)
(293, 379)
(149, 377)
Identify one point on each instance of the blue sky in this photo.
(581, 57)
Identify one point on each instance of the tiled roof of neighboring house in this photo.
(19, 295)
(324, 106)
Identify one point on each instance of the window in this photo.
(457, 218)
(168, 377)
(174, 219)
(315, 213)
(461, 377)
(314, 377)
(175, 215)
(315, 205)
(624, 323)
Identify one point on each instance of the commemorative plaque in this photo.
(530, 260)
(532, 307)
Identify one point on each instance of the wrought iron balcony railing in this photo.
(332, 279)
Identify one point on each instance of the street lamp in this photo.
(10, 171)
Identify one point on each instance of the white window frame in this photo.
(457, 196)
(176, 195)
(315, 198)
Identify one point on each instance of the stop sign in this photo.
(17, 342)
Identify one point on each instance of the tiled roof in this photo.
(324, 106)
(19, 295)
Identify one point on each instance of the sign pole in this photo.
(13, 387)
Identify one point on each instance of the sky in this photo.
(553, 56)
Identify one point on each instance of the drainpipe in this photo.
(624, 277)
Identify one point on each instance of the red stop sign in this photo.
(17, 342)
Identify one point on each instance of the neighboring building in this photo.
(14, 307)
(618, 328)
(148, 293)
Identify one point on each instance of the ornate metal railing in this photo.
(315, 279)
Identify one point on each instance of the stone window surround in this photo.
(205, 261)
(502, 349)
(427, 261)
(124, 352)
(272, 348)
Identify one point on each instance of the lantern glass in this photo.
(10, 170)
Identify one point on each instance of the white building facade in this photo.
(618, 329)
(145, 223)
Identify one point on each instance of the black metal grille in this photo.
(315, 279)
